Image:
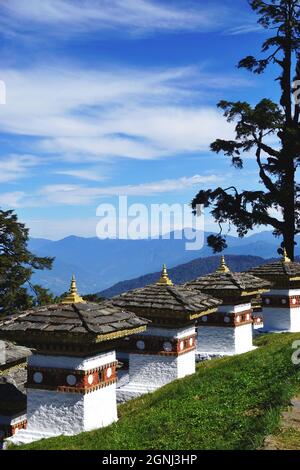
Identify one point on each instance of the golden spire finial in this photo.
(73, 297)
(164, 278)
(285, 257)
(223, 268)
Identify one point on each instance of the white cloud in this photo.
(74, 195)
(71, 16)
(12, 199)
(91, 174)
(81, 195)
(14, 167)
(146, 133)
(246, 29)
(82, 115)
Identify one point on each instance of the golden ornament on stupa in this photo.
(73, 297)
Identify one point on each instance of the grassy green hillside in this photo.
(230, 403)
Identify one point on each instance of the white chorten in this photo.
(281, 306)
(229, 331)
(71, 377)
(166, 350)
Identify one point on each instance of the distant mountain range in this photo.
(186, 272)
(99, 264)
(189, 271)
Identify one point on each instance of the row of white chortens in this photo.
(74, 377)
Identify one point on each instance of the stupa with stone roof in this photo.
(71, 375)
(166, 304)
(229, 331)
(282, 273)
(229, 286)
(166, 350)
(80, 327)
(281, 306)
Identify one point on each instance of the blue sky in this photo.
(109, 97)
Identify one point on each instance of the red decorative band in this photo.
(16, 427)
(282, 301)
(11, 429)
(158, 345)
(224, 319)
(258, 321)
(71, 381)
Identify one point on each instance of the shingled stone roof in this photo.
(12, 354)
(283, 270)
(71, 323)
(164, 303)
(225, 284)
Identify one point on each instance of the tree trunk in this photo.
(287, 147)
(289, 210)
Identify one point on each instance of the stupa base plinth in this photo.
(26, 436)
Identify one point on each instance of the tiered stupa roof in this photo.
(76, 326)
(229, 286)
(166, 304)
(282, 273)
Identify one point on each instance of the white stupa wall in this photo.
(158, 370)
(56, 413)
(225, 340)
(243, 338)
(295, 320)
(215, 339)
(186, 364)
(279, 318)
(70, 413)
(67, 413)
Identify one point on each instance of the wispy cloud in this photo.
(14, 167)
(89, 115)
(83, 195)
(79, 195)
(90, 174)
(13, 199)
(71, 16)
(245, 29)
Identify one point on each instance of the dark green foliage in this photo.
(42, 296)
(93, 298)
(230, 403)
(16, 267)
(254, 126)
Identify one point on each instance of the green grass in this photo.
(230, 403)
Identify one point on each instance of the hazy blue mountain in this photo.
(36, 243)
(99, 264)
(186, 272)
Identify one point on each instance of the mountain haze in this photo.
(186, 272)
(99, 264)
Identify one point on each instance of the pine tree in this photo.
(254, 125)
(17, 265)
